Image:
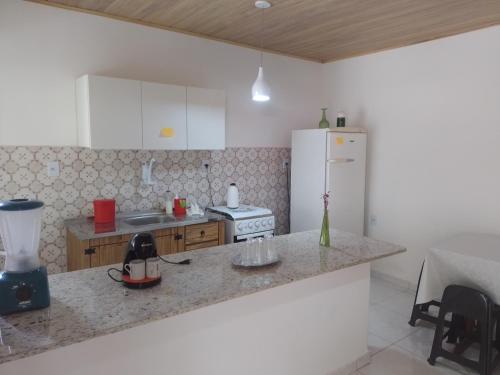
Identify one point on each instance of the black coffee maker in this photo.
(140, 246)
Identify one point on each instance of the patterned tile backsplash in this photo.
(86, 175)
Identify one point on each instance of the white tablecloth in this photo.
(471, 260)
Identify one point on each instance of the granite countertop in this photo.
(87, 304)
(85, 228)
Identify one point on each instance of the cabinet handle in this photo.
(202, 233)
(89, 251)
(178, 237)
(341, 160)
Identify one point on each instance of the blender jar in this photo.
(20, 224)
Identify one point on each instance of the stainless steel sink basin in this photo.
(149, 219)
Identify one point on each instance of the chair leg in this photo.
(486, 350)
(416, 308)
(496, 325)
(491, 342)
(457, 325)
(438, 338)
(414, 315)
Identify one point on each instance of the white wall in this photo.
(43, 50)
(433, 114)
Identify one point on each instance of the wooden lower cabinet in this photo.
(168, 241)
(98, 252)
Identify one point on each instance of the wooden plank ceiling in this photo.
(319, 30)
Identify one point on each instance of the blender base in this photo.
(23, 291)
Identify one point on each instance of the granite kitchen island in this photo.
(307, 314)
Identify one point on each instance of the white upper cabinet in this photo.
(206, 119)
(164, 117)
(109, 113)
(115, 113)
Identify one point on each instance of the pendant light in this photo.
(260, 89)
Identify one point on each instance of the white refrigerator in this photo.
(331, 160)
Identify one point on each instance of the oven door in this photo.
(244, 237)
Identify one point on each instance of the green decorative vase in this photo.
(324, 124)
(324, 238)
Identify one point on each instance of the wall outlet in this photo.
(53, 169)
(204, 163)
(286, 164)
(373, 220)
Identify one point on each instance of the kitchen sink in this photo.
(149, 219)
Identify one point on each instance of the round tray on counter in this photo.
(140, 284)
(238, 262)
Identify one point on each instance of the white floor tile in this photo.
(399, 302)
(381, 291)
(419, 343)
(376, 343)
(397, 361)
(388, 325)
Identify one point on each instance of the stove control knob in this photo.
(257, 224)
(250, 225)
(270, 222)
(264, 223)
(240, 226)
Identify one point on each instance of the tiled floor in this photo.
(396, 347)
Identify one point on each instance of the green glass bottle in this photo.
(324, 124)
(324, 239)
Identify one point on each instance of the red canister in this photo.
(179, 206)
(104, 211)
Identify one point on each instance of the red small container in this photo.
(180, 206)
(104, 211)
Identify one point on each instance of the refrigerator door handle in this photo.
(341, 160)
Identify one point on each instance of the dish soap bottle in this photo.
(169, 204)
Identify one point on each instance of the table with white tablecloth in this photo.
(467, 259)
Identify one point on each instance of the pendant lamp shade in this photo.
(260, 89)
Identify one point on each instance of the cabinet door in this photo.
(163, 117)
(114, 114)
(111, 254)
(166, 245)
(206, 119)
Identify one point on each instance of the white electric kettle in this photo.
(233, 197)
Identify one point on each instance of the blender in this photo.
(23, 283)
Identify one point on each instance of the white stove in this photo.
(246, 222)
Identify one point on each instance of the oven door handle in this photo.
(252, 235)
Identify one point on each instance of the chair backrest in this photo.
(465, 301)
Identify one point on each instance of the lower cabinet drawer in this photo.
(202, 233)
(202, 245)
